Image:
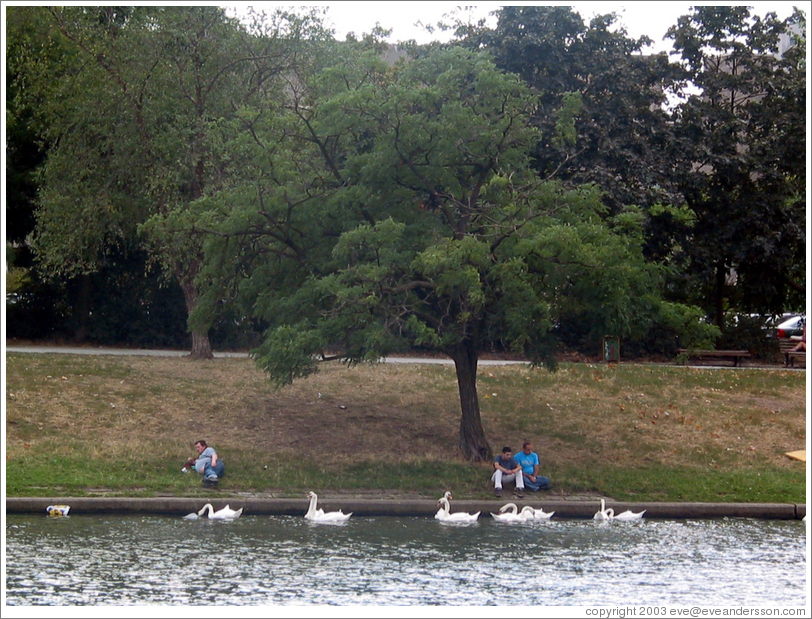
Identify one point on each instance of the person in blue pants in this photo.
(529, 461)
(207, 463)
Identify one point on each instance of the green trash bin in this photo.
(611, 349)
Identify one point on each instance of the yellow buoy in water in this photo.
(58, 510)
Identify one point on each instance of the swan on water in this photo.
(441, 511)
(629, 516)
(445, 515)
(507, 513)
(604, 515)
(318, 515)
(535, 514)
(224, 514)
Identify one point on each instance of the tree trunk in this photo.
(473, 445)
(82, 309)
(201, 346)
(719, 301)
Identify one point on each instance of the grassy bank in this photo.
(78, 425)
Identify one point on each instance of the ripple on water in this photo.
(261, 560)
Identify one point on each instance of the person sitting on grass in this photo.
(529, 461)
(507, 469)
(207, 463)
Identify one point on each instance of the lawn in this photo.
(81, 424)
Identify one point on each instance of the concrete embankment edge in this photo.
(367, 507)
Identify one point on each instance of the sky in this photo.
(639, 18)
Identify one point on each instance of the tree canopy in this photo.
(134, 124)
(417, 221)
(620, 132)
(743, 135)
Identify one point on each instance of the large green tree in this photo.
(135, 126)
(742, 129)
(397, 208)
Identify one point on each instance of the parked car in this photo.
(790, 331)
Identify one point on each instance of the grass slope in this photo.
(81, 424)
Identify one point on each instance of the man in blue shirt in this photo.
(207, 464)
(529, 461)
(507, 469)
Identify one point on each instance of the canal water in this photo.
(285, 560)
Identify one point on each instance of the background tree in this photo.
(620, 130)
(31, 45)
(743, 131)
(422, 225)
(597, 81)
(27, 42)
(628, 142)
(135, 128)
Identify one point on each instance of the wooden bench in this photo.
(786, 346)
(736, 355)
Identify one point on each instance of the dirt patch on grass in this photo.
(580, 416)
(339, 414)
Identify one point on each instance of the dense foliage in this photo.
(743, 136)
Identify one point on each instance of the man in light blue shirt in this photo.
(529, 461)
(207, 464)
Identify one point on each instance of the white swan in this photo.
(629, 516)
(192, 516)
(318, 515)
(535, 514)
(441, 511)
(604, 515)
(528, 513)
(507, 513)
(445, 515)
(224, 514)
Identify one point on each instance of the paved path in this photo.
(98, 350)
